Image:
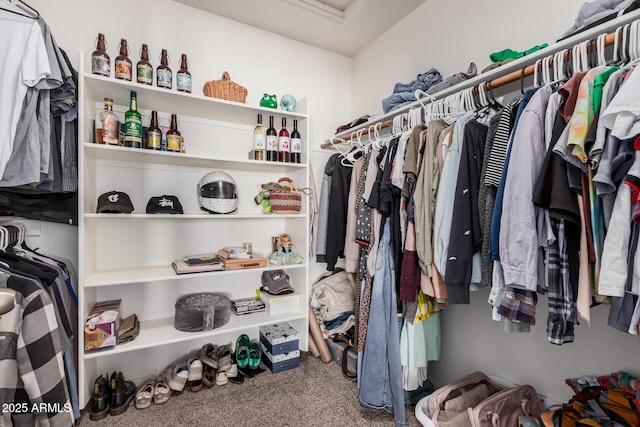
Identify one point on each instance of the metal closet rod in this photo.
(387, 119)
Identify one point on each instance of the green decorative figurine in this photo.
(269, 101)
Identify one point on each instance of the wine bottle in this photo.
(154, 133)
(164, 77)
(173, 136)
(123, 63)
(100, 61)
(110, 124)
(144, 69)
(259, 134)
(284, 142)
(133, 124)
(296, 144)
(183, 76)
(272, 142)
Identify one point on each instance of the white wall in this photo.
(448, 35)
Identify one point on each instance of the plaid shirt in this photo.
(519, 305)
(38, 358)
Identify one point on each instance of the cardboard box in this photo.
(280, 304)
(279, 338)
(280, 362)
(102, 325)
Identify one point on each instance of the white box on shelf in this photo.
(279, 304)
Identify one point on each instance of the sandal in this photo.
(144, 396)
(255, 352)
(208, 355)
(208, 376)
(221, 378)
(242, 351)
(224, 358)
(161, 390)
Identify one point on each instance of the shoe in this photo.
(242, 351)
(221, 378)
(101, 398)
(233, 375)
(208, 376)
(194, 378)
(224, 358)
(208, 355)
(161, 390)
(255, 353)
(177, 376)
(122, 393)
(144, 396)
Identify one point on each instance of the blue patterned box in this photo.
(280, 362)
(279, 338)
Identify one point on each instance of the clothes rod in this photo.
(501, 80)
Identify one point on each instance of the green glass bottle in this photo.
(133, 124)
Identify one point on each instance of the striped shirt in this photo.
(500, 145)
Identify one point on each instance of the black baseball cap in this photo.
(276, 282)
(114, 202)
(164, 205)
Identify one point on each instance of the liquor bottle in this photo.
(272, 142)
(164, 77)
(123, 63)
(259, 134)
(154, 134)
(133, 124)
(296, 144)
(144, 69)
(173, 136)
(100, 61)
(98, 138)
(110, 124)
(183, 76)
(284, 142)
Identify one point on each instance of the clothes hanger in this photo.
(522, 81)
(26, 14)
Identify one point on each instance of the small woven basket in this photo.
(286, 201)
(226, 89)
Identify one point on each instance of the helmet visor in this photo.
(218, 190)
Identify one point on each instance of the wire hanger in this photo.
(27, 15)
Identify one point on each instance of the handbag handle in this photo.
(292, 186)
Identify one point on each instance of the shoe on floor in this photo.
(194, 378)
(177, 376)
(208, 355)
(224, 358)
(101, 398)
(221, 378)
(161, 390)
(208, 376)
(144, 395)
(122, 393)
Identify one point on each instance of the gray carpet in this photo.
(315, 394)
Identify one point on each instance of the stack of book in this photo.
(198, 264)
(249, 305)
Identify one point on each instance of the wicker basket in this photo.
(226, 89)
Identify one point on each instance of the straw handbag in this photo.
(226, 89)
(287, 200)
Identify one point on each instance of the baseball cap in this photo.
(114, 202)
(164, 205)
(276, 282)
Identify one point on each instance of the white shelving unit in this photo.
(128, 256)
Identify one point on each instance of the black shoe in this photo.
(101, 398)
(122, 393)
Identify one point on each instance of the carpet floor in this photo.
(315, 394)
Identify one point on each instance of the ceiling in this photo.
(341, 26)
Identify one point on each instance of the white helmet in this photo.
(217, 193)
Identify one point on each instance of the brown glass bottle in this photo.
(284, 142)
(296, 144)
(123, 63)
(144, 69)
(154, 134)
(164, 77)
(183, 76)
(100, 61)
(272, 142)
(173, 136)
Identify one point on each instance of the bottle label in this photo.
(123, 70)
(164, 77)
(133, 131)
(100, 65)
(258, 141)
(173, 142)
(183, 82)
(272, 143)
(283, 143)
(154, 140)
(145, 74)
(110, 130)
(296, 145)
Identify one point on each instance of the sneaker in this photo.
(221, 378)
(177, 376)
(194, 378)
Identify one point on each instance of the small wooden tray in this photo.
(255, 261)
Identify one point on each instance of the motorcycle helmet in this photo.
(217, 193)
